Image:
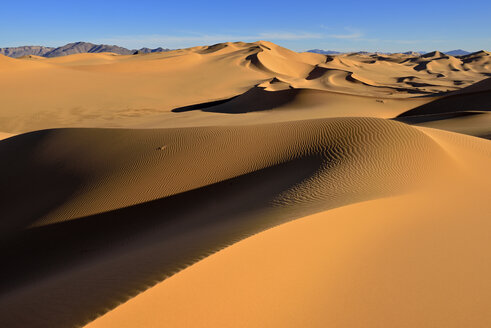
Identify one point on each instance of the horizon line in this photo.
(307, 50)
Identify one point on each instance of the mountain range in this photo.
(324, 52)
(87, 47)
(457, 52)
(72, 48)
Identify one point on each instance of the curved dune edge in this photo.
(251, 178)
(464, 111)
(221, 143)
(4, 135)
(351, 266)
(405, 261)
(123, 168)
(140, 91)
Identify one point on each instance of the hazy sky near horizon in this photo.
(299, 25)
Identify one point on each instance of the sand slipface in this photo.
(245, 185)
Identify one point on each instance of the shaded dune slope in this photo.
(259, 99)
(476, 97)
(91, 217)
(305, 83)
(273, 95)
(405, 261)
(112, 212)
(464, 111)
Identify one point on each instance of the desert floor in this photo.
(245, 185)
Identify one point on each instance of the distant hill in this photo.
(25, 51)
(148, 50)
(87, 47)
(458, 52)
(413, 53)
(72, 48)
(332, 52)
(325, 52)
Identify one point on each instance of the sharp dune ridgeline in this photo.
(245, 185)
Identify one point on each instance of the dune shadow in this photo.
(254, 100)
(417, 119)
(202, 106)
(21, 161)
(451, 103)
(70, 272)
(317, 72)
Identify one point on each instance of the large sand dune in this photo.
(245, 185)
(107, 90)
(405, 261)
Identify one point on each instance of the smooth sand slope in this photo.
(417, 260)
(381, 263)
(245, 185)
(4, 135)
(465, 111)
(414, 260)
(140, 204)
(374, 264)
(108, 90)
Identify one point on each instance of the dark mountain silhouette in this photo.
(25, 51)
(72, 48)
(457, 52)
(413, 53)
(87, 47)
(148, 50)
(325, 52)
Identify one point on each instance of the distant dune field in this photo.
(245, 185)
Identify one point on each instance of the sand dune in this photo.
(464, 111)
(371, 264)
(259, 177)
(140, 91)
(121, 168)
(244, 184)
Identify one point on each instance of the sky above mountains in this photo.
(299, 25)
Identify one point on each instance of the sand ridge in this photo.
(133, 163)
(325, 267)
(329, 163)
(140, 91)
(215, 185)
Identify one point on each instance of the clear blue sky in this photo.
(299, 25)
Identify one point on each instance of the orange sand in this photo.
(245, 185)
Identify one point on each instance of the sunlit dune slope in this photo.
(166, 198)
(71, 173)
(245, 185)
(4, 135)
(417, 260)
(140, 91)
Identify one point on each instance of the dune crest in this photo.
(142, 90)
(217, 185)
(390, 263)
